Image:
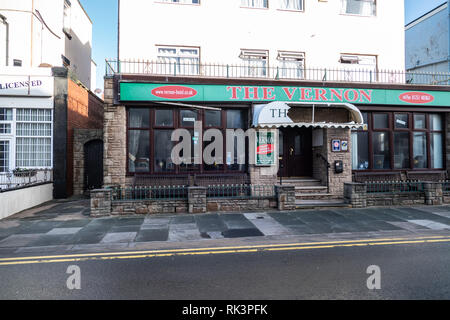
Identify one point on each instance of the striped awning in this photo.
(275, 115)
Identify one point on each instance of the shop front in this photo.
(266, 134)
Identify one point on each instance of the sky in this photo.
(103, 14)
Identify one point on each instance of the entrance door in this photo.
(93, 165)
(295, 152)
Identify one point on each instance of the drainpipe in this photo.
(7, 38)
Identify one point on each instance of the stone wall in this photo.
(335, 180)
(115, 139)
(196, 202)
(356, 195)
(80, 138)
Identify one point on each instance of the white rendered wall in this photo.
(16, 201)
(222, 28)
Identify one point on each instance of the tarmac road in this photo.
(409, 269)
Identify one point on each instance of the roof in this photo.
(429, 13)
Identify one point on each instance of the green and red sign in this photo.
(130, 91)
(265, 148)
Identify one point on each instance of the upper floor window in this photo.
(255, 3)
(291, 5)
(178, 60)
(359, 7)
(292, 64)
(183, 1)
(358, 67)
(255, 63)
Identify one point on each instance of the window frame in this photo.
(251, 7)
(410, 130)
(178, 125)
(294, 10)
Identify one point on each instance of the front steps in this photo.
(310, 193)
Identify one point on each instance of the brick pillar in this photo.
(433, 193)
(355, 194)
(197, 199)
(101, 202)
(285, 197)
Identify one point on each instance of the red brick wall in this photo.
(85, 111)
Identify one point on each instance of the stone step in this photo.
(302, 182)
(317, 204)
(313, 196)
(310, 189)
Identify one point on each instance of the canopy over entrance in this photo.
(300, 114)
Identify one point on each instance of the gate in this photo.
(93, 165)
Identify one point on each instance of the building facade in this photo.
(320, 108)
(57, 33)
(428, 41)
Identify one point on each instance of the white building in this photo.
(364, 34)
(53, 33)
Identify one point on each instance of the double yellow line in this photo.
(218, 250)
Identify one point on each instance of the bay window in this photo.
(398, 141)
(149, 145)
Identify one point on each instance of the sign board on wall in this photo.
(13, 85)
(131, 91)
(265, 148)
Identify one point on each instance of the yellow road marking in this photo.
(215, 248)
(218, 250)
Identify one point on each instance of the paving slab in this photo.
(59, 231)
(119, 237)
(19, 240)
(210, 223)
(431, 224)
(152, 235)
(267, 225)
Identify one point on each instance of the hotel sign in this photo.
(265, 148)
(130, 91)
(12, 85)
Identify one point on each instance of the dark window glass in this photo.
(138, 151)
(216, 166)
(6, 114)
(401, 121)
(164, 118)
(235, 166)
(139, 118)
(380, 121)
(401, 150)
(298, 145)
(380, 142)
(365, 117)
(163, 150)
(420, 150)
(191, 166)
(188, 117)
(236, 119)
(419, 121)
(213, 118)
(360, 150)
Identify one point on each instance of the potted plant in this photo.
(22, 172)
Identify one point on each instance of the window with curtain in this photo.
(359, 7)
(291, 4)
(178, 60)
(34, 138)
(254, 3)
(291, 64)
(399, 141)
(254, 63)
(138, 140)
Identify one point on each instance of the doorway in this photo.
(93, 165)
(295, 152)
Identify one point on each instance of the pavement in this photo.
(65, 226)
